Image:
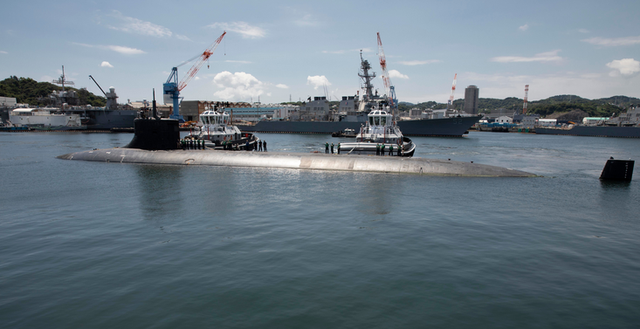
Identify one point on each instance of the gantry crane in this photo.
(171, 88)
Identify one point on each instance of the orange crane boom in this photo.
(197, 65)
(453, 89)
(385, 75)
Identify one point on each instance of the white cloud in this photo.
(301, 18)
(550, 56)
(318, 81)
(395, 74)
(119, 49)
(124, 50)
(613, 42)
(240, 62)
(583, 30)
(247, 31)
(282, 86)
(3, 52)
(106, 64)
(137, 26)
(306, 20)
(237, 86)
(46, 78)
(414, 63)
(524, 27)
(626, 67)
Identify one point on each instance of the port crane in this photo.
(389, 88)
(172, 88)
(453, 89)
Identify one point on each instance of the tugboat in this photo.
(215, 130)
(380, 136)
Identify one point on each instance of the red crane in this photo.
(453, 89)
(171, 88)
(385, 75)
(389, 88)
(196, 66)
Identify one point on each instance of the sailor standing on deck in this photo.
(326, 147)
(331, 148)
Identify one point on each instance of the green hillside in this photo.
(29, 91)
(603, 107)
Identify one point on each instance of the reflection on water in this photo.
(614, 185)
(378, 193)
(161, 190)
(616, 202)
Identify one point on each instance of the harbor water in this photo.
(108, 245)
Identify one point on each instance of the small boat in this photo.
(380, 136)
(215, 130)
(347, 132)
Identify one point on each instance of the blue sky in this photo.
(280, 50)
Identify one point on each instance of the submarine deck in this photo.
(313, 161)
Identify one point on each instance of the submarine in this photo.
(157, 141)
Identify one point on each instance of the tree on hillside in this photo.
(29, 91)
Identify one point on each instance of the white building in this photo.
(7, 102)
(547, 122)
(593, 121)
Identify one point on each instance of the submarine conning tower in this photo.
(155, 133)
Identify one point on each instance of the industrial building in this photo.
(471, 95)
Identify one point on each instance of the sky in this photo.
(277, 51)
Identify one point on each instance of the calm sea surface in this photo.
(105, 245)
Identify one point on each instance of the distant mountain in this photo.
(557, 104)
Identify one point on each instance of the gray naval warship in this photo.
(451, 124)
(624, 125)
(112, 116)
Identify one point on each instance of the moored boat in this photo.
(347, 132)
(380, 136)
(215, 130)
